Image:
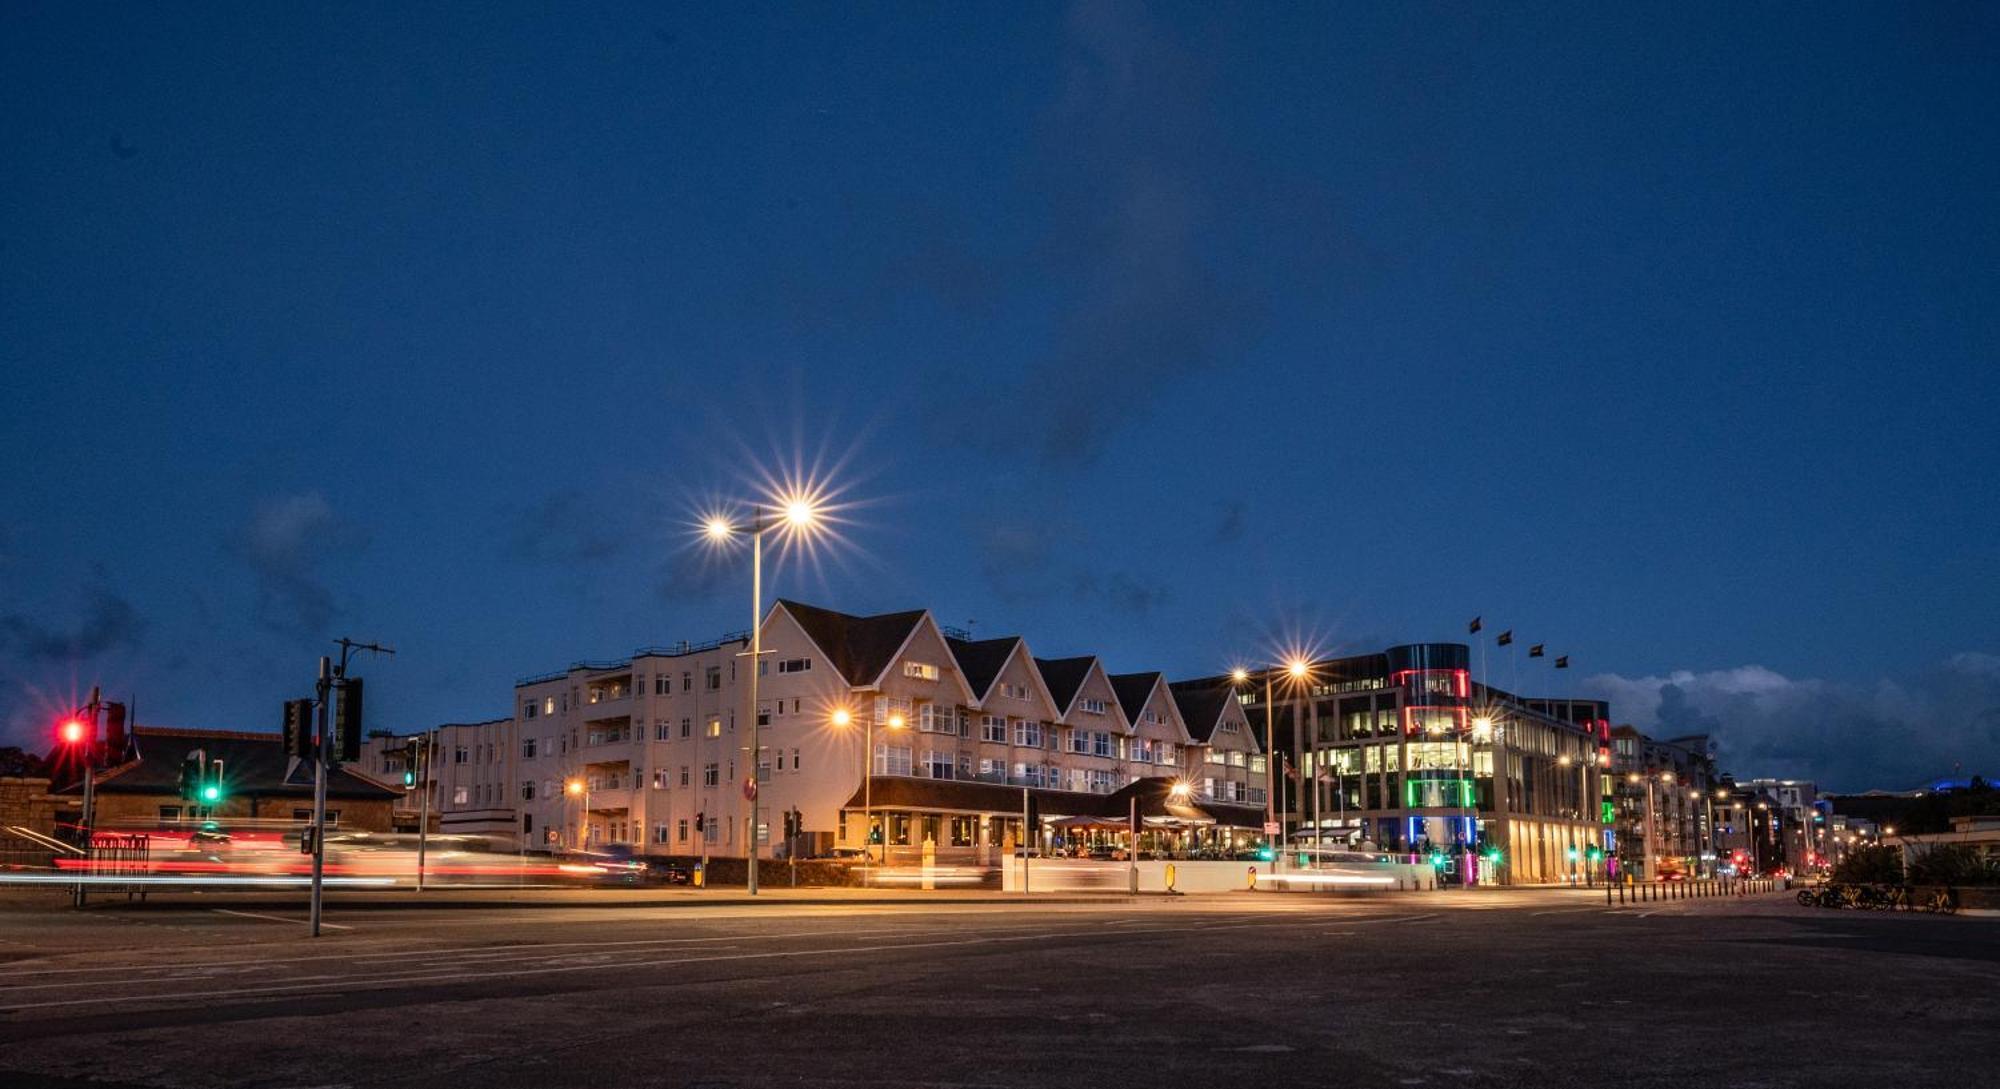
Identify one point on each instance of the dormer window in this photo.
(1091, 707)
(922, 671)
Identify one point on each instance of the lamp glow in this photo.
(842, 717)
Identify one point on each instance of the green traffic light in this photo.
(211, 793)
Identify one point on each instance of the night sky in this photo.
(1667, 339)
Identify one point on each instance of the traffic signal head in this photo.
(211, 784)
(191, 776)
(298, 728)
(72, 731)
(1572, 854)
(347, 719)
(114, 730)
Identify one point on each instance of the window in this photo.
(168, 813)
(684, 775)
(715, 727)
(892, 760)
(681, 830)
(659, 778)
(1013, 691)
(936, 718)
(458, 755)
(663, 685)
(529, 708)
(993, 771)
(1228, 727)
(687, 681)
(1027, 734)
(940, 765)
(1164, 752)
(711, 775)
(993, 728)
(795, 665)
(528, 748)
(922, 671)
(527, 790)
(1258, 764)
(1079, 741)
(458, 796)
(795, 759)
(1102, 781)
(1091, 707)
(714, 678)
(1100, 744)
(549, 706)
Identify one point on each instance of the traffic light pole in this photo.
(89, 819)
(424, 813)
(321, 753)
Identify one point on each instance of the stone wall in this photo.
(27, 802)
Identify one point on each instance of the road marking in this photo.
(382, 982)
(1564, 911)
(278, 918)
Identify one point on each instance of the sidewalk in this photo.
(548, 898)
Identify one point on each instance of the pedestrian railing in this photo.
(1647, 892)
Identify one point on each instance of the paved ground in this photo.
(1445, 989)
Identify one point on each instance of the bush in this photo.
(1879, 865)
(1953, 864)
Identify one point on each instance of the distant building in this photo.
(144, 793)
(1402, 750)
(1664, 799)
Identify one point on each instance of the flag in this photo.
(1472, 628)
(1291, 772)
(1506, 637)
(1535, 651)
(1562, 662)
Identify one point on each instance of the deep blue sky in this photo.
(1665, 338)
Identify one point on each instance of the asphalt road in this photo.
(1454, 989)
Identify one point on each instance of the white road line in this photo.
(393, 980)
(473, 951)
(278, 918)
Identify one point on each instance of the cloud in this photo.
(1019, 562)
(1229, 528)
(1891, 733)
(109, 622)
(566, 528)
(284, 544)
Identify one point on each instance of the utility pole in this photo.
(332, 678)
(424, 810)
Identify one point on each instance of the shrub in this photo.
(1879, 865)
(1952, 864)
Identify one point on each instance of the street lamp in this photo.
(795, 513)
(1296, 669)
(577, 788)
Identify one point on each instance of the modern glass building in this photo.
(1406, 752)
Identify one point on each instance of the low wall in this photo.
(1054, 875)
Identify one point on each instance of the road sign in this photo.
(1272, 828)
(750, 789)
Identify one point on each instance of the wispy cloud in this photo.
(567, 527)
(108, 623)
(1850, 735)
(1023, 564)
(284, 544)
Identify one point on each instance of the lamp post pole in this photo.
(1271, 775)
(756, 665)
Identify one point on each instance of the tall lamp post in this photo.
(579, 789)
(843, 718)
(1296, 669)
(794, 513)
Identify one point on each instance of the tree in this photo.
(1879, 865)
(19, 763)
(1953, 864)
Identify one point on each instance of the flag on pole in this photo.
(1472, 628)
(1562, 662)
(1506, 637)
(1535, 651)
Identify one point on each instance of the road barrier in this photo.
(1649, 892)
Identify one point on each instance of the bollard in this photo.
(1607, 896)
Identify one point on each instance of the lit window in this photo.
(922, 671)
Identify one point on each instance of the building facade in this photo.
(1401, 751)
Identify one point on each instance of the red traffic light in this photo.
(72, 731)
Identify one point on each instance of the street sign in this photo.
(750, 789)
(1272, 828)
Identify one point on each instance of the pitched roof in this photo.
(1155, 797)
(1134, 689)
(252, 763)
(1064, 676)
(981, 660)
(1201, 708)
(860, 647)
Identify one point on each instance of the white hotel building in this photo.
(658, 743)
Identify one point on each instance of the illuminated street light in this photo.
(73, 732)
(1179, 791)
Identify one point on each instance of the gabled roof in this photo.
(252, 764)
(860, 647)
(1201, 707)
(1064, 678)
(1134, 689)
(981, 660)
